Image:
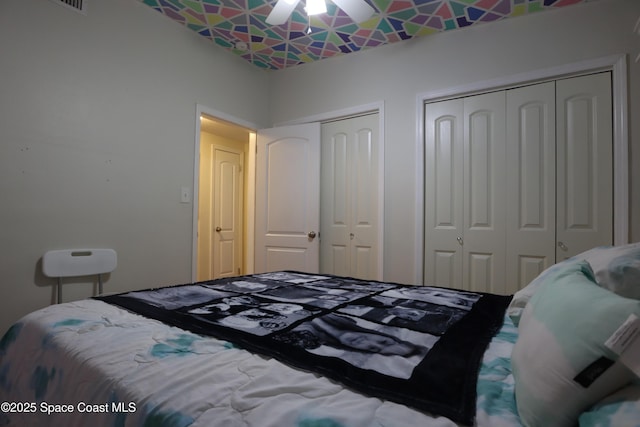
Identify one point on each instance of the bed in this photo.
(149, 358)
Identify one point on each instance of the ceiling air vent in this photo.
(77, 5)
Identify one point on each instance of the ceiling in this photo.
(239, 25)
(224, 129)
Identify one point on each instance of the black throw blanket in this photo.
(420, 346)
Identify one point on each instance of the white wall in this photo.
(97, 128)
(397, 73)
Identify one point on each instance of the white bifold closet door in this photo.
(444, 212)
(349, 225)
(464, 192)
(484, 227)
(585, 164)
(515, 181)
(531, 187)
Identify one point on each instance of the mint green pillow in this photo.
(562, 333)
(523, 296)
(616, 268)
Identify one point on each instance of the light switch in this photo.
(185, 195)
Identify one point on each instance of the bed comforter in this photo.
(52, 372)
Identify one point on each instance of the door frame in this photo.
(250, 196)
(346, 113)
(617, 64)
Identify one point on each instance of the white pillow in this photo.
(561, 335)
(616, 268)
(522, 297)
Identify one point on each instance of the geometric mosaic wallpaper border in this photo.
(239, 25)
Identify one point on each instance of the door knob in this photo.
(460, 241)
(218, 229)
(562, 246)
(312, 234)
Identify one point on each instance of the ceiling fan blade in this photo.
(358, 10)
(281, 11)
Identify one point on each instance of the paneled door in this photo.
(465, 211)
(531, 188)
(534, 167)
(585, 172)
(288, 199)
(485, 200)
(349, 244)
(444, 137)
(227, 212)
(221, 211)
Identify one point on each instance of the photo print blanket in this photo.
(417, 345)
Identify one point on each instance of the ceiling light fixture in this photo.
(316, 7)
(357, 10)
(242, 46)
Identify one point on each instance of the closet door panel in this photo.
(334, 226)
(584, 152)
(349, 197)
(484, 193)
(481, 271)
(446, 269)
(479, 197)
(361, 257)
(444, 133)
(531, 180)
(364, 212)
(364, 186)
(337, 257)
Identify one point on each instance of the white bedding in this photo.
(92, 356)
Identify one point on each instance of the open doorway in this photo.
(221, 123)
(224, 199)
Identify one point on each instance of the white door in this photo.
(349, 198)
(288, 199)
(227, 212)
(444, 136)
(484, 185)
(531, 188)
(536, 182)
(584, 151)
(465, 193)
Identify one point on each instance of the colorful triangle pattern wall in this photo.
(239, 25)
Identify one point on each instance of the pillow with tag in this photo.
(560, 362)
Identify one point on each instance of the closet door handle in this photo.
(311, 235)
(562, 246)
(460, 241)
